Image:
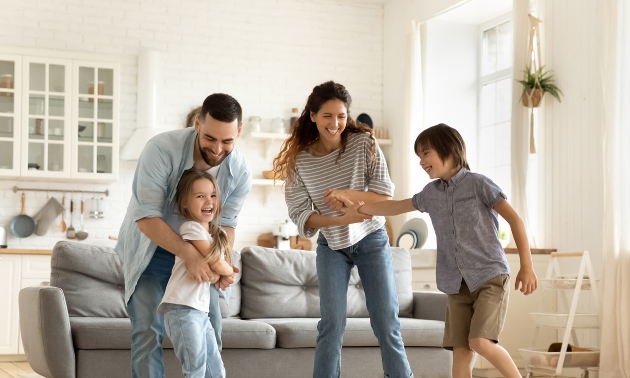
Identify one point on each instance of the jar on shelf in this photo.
(254, 123)
(277, 125)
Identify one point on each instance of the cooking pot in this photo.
(3, 237)
(22, 225)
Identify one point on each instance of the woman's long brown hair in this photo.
(304, 131)
(220, 242)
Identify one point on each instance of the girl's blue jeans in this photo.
(193, 339)
(373, 258)
(147, 326)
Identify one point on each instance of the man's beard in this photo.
(205, 156)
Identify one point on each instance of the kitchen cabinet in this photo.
(59, 118)
(10, 112)
(16, 272)
(423, 263)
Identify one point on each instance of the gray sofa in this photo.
(78, 326)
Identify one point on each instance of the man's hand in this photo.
(331, 199)
(226, 281)
(196, 267)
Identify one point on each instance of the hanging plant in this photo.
(536, 84)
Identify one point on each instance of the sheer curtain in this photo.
(615, 350)
(414, 114)
(520, 118)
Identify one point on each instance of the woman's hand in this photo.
(331, 199)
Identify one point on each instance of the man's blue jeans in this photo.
(147, 326)
(194, 341)
(372, 255)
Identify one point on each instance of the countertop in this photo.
(18, 251)
(535, 251)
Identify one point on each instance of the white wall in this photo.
(570, 151)
(268, 54)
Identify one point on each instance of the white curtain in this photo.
(615, 345)
(520, 117)
(413, 109)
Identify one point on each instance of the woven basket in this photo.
(535, 96)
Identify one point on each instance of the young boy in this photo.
(471, 265)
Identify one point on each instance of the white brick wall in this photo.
(267, 53)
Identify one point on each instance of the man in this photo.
(148, 240)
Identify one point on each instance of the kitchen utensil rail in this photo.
(16, 189)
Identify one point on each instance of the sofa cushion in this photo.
(302, 332)
(91, 278)
(115, 333)
(248, 334)
(233, 309)
(283, 284)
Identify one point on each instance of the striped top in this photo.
(355, 170)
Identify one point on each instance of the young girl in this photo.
(471, 265)
(186, 302)
(326, 154)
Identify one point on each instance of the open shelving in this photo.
(552, 361)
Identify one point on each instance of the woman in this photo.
(329, 155)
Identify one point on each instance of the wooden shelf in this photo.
(268, 186)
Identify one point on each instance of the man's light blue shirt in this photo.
(161, 164)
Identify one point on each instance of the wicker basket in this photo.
(535, 96)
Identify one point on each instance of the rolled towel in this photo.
(46, 215)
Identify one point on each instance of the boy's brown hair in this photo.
(446, 141)
(220, 242)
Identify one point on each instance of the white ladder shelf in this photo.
(551, 362)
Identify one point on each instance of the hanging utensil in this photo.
(82, 235)
(70, 233)
(22, 225)
(62, 225)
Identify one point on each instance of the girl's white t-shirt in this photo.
(181, 289)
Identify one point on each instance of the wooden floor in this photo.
(16, 370)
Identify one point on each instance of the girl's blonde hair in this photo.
(220, 241)
(304, 131)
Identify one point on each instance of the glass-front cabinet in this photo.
(46, 108)
(10, 114)
(58, 118)
(96, 112)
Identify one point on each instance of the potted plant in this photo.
(536, 84)
(504, 236)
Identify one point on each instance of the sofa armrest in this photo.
(429, 305)
(46, 334)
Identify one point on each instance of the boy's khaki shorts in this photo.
(477, 314)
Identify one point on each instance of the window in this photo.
(495, 103)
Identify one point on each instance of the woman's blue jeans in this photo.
(194, 342)
(147, 326)
(373, 258)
